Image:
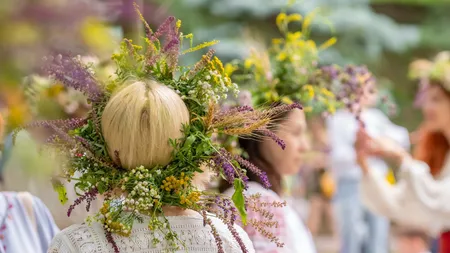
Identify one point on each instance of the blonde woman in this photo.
(138, 120)
(146, 149)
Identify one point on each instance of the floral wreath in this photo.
(288, 71)
(428, 71)
(130, 194)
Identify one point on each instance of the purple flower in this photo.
(73, 74)
(273, 136)
(163, 28)
(259, 173)
(88, 197)
(110, 239)
(228, 170)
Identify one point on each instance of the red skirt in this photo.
(444, 246)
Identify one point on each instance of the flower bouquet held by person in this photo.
(146, 147)
(420, 198)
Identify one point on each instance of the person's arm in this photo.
(45, 224)
(433, 195)
(416, 187)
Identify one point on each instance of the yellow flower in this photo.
(331, 108)
(248, 63)
(287, 100)
(327, 93)
(294, 17)
(294, 36)
(219, 65)
(229, 70)
(277, 41)
(328, 43)
(280, 20)
(310, 90)
(390, 178)
(282, 56)
(178, 23)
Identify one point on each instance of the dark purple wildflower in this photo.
(110, 239)
(273, 136)
(259, 173)
(88, 197)
(228, 169)
(216, 235)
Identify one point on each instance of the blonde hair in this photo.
(138, 122)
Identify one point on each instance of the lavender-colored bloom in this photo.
(163, 28)
(273, 136)
(173, 44)
(73, 74)
(259, 173)
(228, 170)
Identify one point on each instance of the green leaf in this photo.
(239, 200)
(189, 141)
(61, 190)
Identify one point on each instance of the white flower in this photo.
(123, 187)
(208, 77)
(133, 171)
(158, 172)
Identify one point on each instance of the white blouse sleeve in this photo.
(418, 199)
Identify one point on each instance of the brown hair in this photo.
(433, 147)
(252, 146)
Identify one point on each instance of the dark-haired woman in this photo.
(278, 163)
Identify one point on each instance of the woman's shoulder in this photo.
(76, 238)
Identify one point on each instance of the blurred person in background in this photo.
(321, 184)
(359, 229)
(420, 198)
(409, 240)
(26, 224)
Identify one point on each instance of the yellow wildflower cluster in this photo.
(190, 199)
(117, 227)
(172, 183)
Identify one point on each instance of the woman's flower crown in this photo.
(288, 71)
(437, 70)
(130, 194)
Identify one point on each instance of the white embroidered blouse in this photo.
(190, 229)
(417, 199)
